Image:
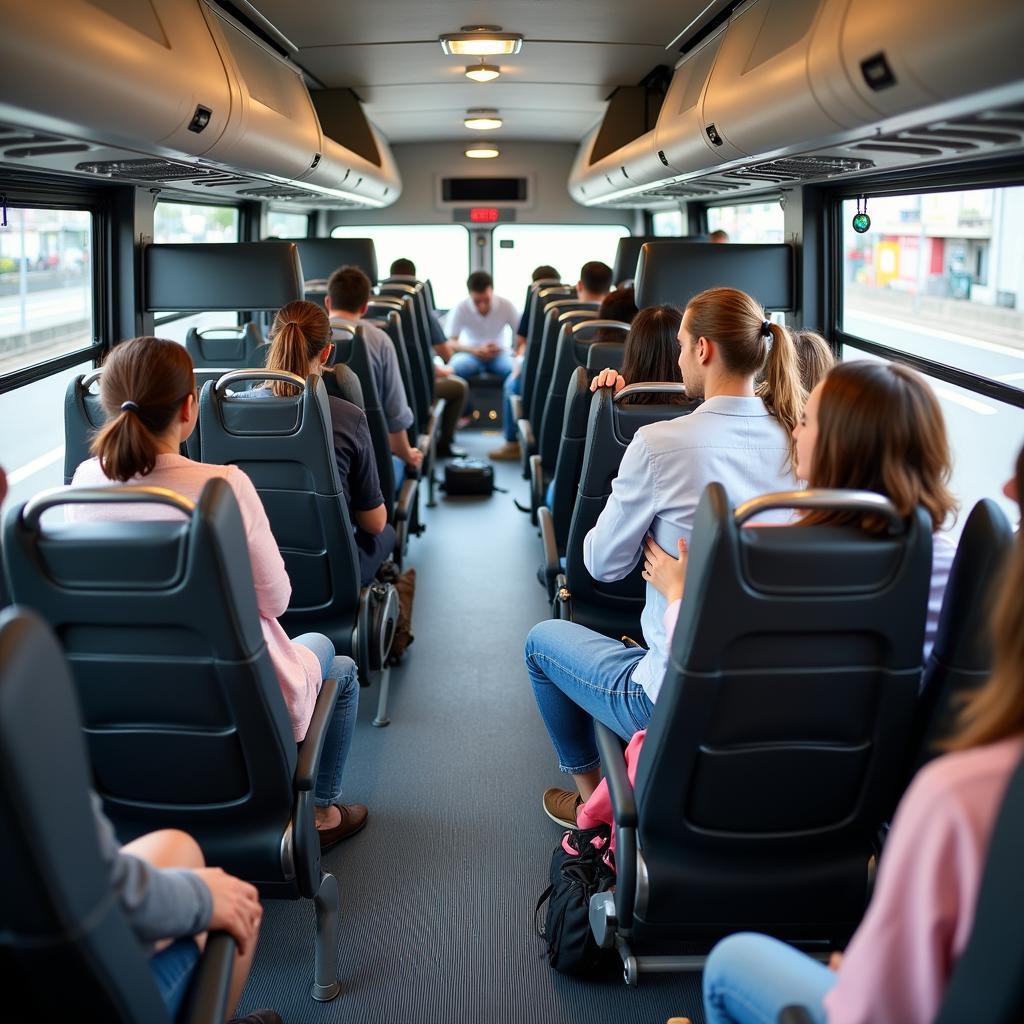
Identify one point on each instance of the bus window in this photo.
(667, 223)
(46, 286)
(440, 252)
(185, 222)
(284, 224)
(939, 276)
(518, 248)
(749, 222)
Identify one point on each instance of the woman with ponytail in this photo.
(738, 437)
(148, 393)
(300, 343)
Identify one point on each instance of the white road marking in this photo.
(35, 466)
(968, 403)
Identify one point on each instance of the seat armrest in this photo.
(536, 484)
(208, 993)
(614, 765)
(526, 438)
(406, 497)
(516, 403)
(552, 560)
(312, 745)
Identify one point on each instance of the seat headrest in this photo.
(626, 255)
(321, 257)
(205, 276)
(676, 270)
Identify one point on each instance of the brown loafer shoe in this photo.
(560, 806)
(508, 452)
(353, 820)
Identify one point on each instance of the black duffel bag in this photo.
(579, 869)
(468, 476)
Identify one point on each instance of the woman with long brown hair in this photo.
(301, 343)
(148, 393)
(900, 959)
(737, 437)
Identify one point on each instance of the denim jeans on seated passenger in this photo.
(466, 365)
(579, 675)
(512, 386)
(172, 969)
(399, 467)
(750, 979)
(342, 725)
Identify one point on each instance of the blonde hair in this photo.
(814, 356)
(300, 332)
(750, 344)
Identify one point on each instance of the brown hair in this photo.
(749, 344)
(348, 288)
(619, 305)
(300, 332)
(596, 277)
(814, 356)
(996, 710)
(652, 352)
(144, 383)
(880, 428)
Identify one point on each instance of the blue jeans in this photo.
(466, 365)
(512, 386)
(750, 979)
(373, 550)
(399, 467)
(579, 675)
(342, 725)
(172, 969)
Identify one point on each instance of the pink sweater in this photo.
(297, 667)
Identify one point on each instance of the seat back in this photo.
(780, 731)
(389, 321)
(285, 446)
(611, 608)
(987, 984)
(418, 350)
(183, 712)
(961, 657)
(571, 351)
(350, 352)
(627, 253)
(230, 346)
(557, 314)
(321, 257)
(57, 918)
(531, 296)
(534, 330)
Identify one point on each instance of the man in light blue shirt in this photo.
(736, 437)
(348, 293)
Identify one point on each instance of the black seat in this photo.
(350, 353)
(961, 658)
(543, 294)
(571, 351)
(57, 919)
(184, 717)
(320, 257)
(285, 446)
(778, 737)
(610, 608)
(627, 252)
(228, 347)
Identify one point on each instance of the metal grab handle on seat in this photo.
(231, 328)
(403, 289)
(823, 498)
(589, 325)
(90, 378)
(259, 373)
(653, 387)
(112, 495)
(586, 314)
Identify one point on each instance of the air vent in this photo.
(277, 192)
(216, 181)
(802, 168)
(147, 170)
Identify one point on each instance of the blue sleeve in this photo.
(437, 335)
(392, 391)
(614, 546)
(363, 481)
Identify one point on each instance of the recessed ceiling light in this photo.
(482, 120)
(481, 41)
(483, 72)
(482, 152)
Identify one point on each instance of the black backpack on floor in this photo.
(578, 870)
(468, 476)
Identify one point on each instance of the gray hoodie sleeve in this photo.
(159, 904)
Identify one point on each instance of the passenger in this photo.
(594, 284)
(900, 959)
(620, 305)
(719, 236)
(300, 343)
(348, 294)
(735, 437)
(815, 356)
(453, 389)
(651, 354)
(476, 327)
(148, 394)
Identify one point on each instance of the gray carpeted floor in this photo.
(438, 891)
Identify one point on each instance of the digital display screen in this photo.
(483, 215)
(483, 190)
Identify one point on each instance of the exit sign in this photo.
(483, 214)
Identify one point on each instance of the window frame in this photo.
(1001, 174)
(308, 214)
(22, 193)
(745, 199)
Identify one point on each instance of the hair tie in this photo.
(766, 328)
(129, 407)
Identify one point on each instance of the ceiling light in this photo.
(482, 152)
(483, 72)
(481, 41)
(482, 120)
